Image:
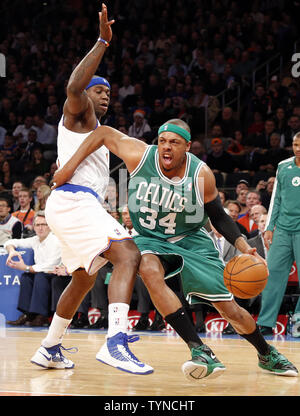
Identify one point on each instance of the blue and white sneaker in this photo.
(115, 352)
(53, 358)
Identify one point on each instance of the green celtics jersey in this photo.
(163, 208)
(284, 210)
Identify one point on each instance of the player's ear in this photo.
(188, 146)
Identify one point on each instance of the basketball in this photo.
(245, 276)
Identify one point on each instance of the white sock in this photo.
(56, 331)
(117, 318)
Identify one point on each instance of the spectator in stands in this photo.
(157, 117)
(245, 66)
(10, 226)
(198, 149)
(49, 175)
(16, 188)
(259, 102)
(280, 120)
(140, 125)
(223, 196)
(258, 240)
(35, 282)
(292, 129)
(263, 139)
(22, 130)
(26, 149)
(265, 189)
(115, 113)
(25, 214)
(38, 164)
(273, 155)
(242, 184)
(3, 133)
(7, 177)
(251, 159)
(255, 213)
(226, 250)
(228, 123)
(112, 196)
(252, 198)
(256, 127)
(219, 160)
(29, 107)
(241, 198)
(46, 134)
(42, 194)
(53, 115)
(126, 89)
(236, 144)
(8, 147)
(234, 208)
(215, 84)
(37, 181)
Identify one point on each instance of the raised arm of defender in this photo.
(128, 149)
(77, 101)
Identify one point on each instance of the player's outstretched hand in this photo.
(105, 25)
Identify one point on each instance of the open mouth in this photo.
(167, 159)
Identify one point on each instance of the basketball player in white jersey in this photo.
(89, 236)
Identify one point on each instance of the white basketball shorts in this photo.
(83, 227)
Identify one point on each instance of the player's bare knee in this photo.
(147, 267)
(150, 273)
(129, 259)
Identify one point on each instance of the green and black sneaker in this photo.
(277, 364)
(204, 363)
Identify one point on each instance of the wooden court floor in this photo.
(164, 352)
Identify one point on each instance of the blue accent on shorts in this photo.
(70, 187)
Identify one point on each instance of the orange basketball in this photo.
(245, 276)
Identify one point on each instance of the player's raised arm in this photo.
(77, 99)
(128, 149)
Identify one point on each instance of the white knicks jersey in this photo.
(92, 172)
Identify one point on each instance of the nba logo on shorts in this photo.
(117, 231)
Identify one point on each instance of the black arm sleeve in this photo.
(222, 222)
(17, 230)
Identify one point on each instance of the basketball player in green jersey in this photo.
(282, 237)
(171, 195)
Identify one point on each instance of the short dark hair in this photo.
(4, 199)
(232, 201)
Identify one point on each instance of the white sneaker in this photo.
(115, 352)
(52, 357)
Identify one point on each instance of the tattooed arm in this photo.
(77, 101)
